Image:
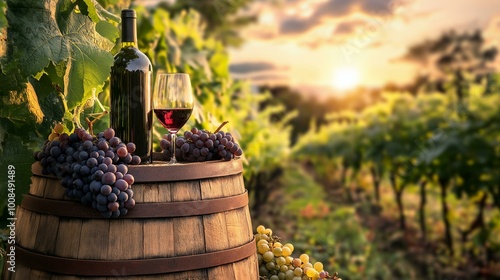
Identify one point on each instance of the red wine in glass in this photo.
(173, 119)
(173, 103)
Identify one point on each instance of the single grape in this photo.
(84, 170)
(127, 159)
(108, 178)
(223, 153)
(113, 206)
(129, 178)
(55, 151)
(92, 162)
(87, 137)
(234, 148)
(200, 144)
(123, 211)
(131, 147)
(83, 155)
(297, 271)
(87, 145)
(179, 142)
(229, 145)
(122, 152)
(122, 197)
(110, 154)
(107, 161)
(58, 128)
(185, 147)
(114, 141)
(106, 189)
(112, 197)
(129, 204)
(112, 168)
(103, 167)
(130, 192)
(136, 160)
(122, 168)
(209, 143)
(109, 133)
(121, 184)
(204, 136)
(164, 144)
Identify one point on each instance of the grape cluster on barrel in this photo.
(201, 145)
(276, 261)
(92, 169)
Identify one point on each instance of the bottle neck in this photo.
(129, 32)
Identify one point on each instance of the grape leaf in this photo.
(50, 31)
(35, 35)
(107, 30)
(96, 12)
(87, 7)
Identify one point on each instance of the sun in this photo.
(345, 78)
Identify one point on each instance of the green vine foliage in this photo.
(432, 137)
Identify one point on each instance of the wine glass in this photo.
(173, 103)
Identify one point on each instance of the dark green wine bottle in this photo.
(130, 83)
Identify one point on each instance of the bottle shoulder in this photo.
(132, 58)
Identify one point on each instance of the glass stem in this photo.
(173, 160)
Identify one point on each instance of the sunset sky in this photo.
(338, 44)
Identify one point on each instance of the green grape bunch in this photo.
(277, 263)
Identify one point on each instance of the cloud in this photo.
(249, 67)
(348, 27)
(294, 26)
(333, 9)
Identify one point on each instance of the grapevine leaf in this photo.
(99, 15)
(42, 36)
(35, 35)
(87, 7)
(107, 30)
(89, 62)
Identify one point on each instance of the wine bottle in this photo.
(130, 85)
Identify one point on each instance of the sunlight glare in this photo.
(345, 78)
(267, 18)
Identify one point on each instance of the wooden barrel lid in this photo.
(163, 172)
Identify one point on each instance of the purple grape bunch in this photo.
(200, 145)
(92, 169)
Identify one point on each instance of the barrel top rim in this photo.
(162, 172)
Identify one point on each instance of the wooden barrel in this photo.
(191, 221)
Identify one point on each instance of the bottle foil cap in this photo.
(129, 14)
